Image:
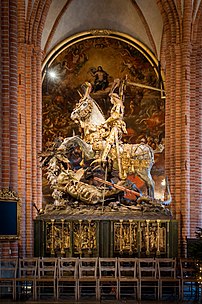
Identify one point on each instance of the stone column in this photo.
(9, 108)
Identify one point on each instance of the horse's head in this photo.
(82, 110)
(84, 107)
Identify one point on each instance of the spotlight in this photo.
(52, 74)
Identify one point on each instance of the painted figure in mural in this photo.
(101, 79)
(132, 108)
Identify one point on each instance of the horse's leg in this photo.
(145, 175)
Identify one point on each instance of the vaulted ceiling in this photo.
(154, 23)
(140, 19)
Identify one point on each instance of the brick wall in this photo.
(183, 111)
(20, 67)
(9, 106)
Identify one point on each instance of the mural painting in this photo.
(99, 61)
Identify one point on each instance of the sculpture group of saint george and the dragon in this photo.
(89, 172)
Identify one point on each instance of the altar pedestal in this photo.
(106, 236)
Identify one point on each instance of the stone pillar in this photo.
(9, 108)
(9, 79)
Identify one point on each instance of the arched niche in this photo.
(106, 55)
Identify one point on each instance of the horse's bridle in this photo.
(82, 110)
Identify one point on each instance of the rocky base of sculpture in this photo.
(142, 209)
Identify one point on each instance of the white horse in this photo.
(137, 159)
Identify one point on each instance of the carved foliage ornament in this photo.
(100, 32)
(6, 194)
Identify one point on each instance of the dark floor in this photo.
(168, 298)
(102, 301)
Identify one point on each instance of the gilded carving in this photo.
(101, 32)
(149, 237)
(58, 237)
(85, 236)
(6, 194)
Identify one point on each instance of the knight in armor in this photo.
(115, 123)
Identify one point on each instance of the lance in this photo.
(119, 187)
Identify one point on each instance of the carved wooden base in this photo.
(106, 236)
